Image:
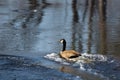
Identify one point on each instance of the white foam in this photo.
(82, 67)
(85, 58)
(53, 56)
(82, 62)
(56, 57)
(94, 57)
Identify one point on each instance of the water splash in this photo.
(85, 58)
(86, 62)
(93, 57)
(57, 58)
(83, 62)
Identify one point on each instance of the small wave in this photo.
(93, 57)
(87, 62)
(82, 62)
(84, 58)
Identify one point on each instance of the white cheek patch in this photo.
(61, 41)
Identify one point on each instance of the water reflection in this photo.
(34, 25)
(21, 27)
(102, 25)
(33, 4)
(90, 7)
(84, 24)
(76, 43)
(83, 75)
(90, 29)
(85, 34)
(75, 11)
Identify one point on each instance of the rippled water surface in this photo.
(31, 29)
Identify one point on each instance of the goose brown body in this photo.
(68, 54)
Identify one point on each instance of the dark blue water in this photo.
(32, 28)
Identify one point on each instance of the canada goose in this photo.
(68, 54)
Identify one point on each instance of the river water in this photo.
(31, 29)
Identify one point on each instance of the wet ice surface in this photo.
(53, 67)
(21, 68)
(17, 68)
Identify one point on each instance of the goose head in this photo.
(63, 41)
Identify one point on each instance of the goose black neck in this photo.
(64, 46)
